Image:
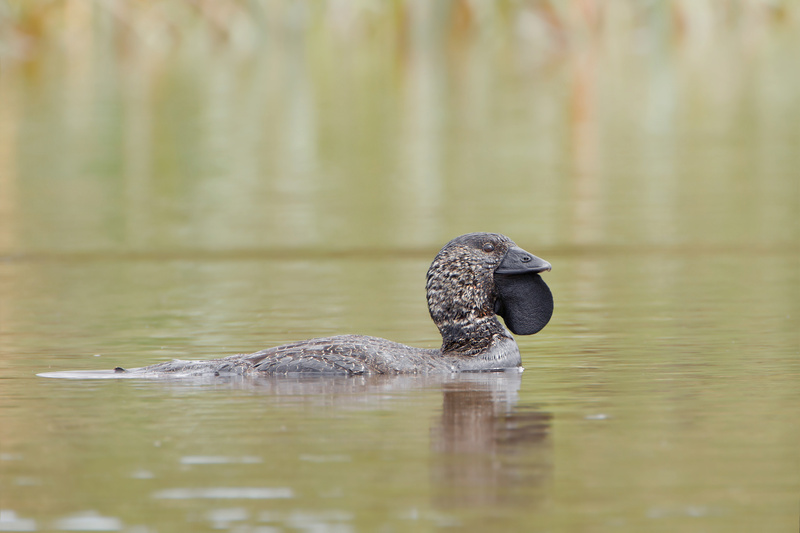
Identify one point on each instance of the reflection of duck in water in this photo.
(487, 450)
(472, 278)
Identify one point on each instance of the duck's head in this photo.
(479, 275)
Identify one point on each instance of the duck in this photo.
(473, 279)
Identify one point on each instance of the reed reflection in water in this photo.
(295, 122)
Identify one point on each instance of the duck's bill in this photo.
(523, 299)
(518, 261)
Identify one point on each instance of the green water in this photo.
(209, 202)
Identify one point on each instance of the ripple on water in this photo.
(226, 493)
(88, 521)
(9, 521)
(218, 460)
(222, 518)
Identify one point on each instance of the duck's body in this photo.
(345, 354)
(473, 278)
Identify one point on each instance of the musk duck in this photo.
(474, 278)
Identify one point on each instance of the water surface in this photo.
(221, 197)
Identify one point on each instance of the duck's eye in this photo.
(488, 247)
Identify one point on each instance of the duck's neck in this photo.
(461, 304)
(470, 336)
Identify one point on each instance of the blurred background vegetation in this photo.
(221, 124)
(159, 27)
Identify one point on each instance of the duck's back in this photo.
(342, 354)
(346, 354)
